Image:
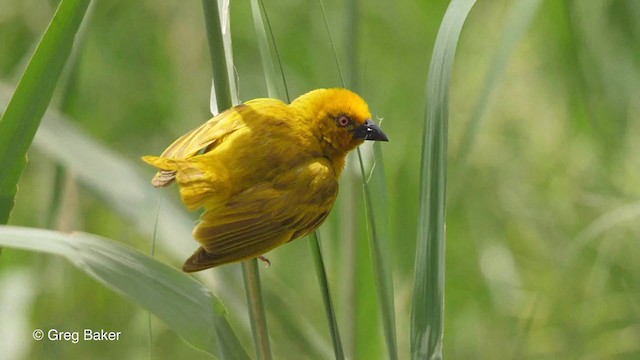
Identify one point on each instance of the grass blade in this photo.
(32, 97)
(258, 318)
(353, 43)
(181, 302)
(427, 313)
(352, 205)
(224, 7)
(53, 211)
(269, 55)
(321, 274)
(221, 62)
(379, 246)
(520, 16)
(605, 222)
(314, 239)
(271, 77)
(378, 228)
(221, 90)
(333, 45)
(128, 193)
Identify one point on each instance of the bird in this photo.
(264, 172)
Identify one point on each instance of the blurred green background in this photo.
(543, 198)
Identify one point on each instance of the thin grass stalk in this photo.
(274, 73)
(269, 55)
(280, 70)
(583, 111)
(33, 94)
(378, 241)
(265, 52)
(257, 315)
(219, 69)
(525, 328)
(68, 82)
(53, 212)
(321, 274)
(350, 210)
(272, 57)
(520, 17)
(66, 85)
(324, 287)
(222, 88)
(348, 252)
(333, 44)
(152, 252)
(380, 250)
(352, 44)
(427, 313)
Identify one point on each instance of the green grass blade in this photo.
(221, 62)
(221, 91)
(606, 222)
(520, 17)
(427, 313)
(303, 331)
(257, 315)
(181, 302)
(378, 220)
(94, 165)
(321, 274)
(333, 44)
(378, 228)
(152, 252)
(353, 43)
(271, 77)
(269, 55)
(33, 94)
(265, 52)
(352, 204)
(224, 7)
(57, 194)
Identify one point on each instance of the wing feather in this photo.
(264, 216)
(209, 135)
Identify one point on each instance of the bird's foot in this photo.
(265, 260)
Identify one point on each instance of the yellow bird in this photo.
(265, 172)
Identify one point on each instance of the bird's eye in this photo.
(344, 120)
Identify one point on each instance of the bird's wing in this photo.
(204, 135)
(251, 224)
(264, 217)
(209, 135)
(217, 128)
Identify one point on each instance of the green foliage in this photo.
(270, 57)
(22, 116)
(541, 216)
(221, 92)
(427, 312)
(180, 301)
(374, 186)
(329, 309)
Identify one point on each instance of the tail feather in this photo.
(201, 260)
(167, 173)
(195, 186)
(163, 178)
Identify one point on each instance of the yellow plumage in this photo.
(265, 172)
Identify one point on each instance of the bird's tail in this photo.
(167, 172)
(195, 186)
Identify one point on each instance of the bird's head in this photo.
(340, 117)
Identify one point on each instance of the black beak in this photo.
(369, 131)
